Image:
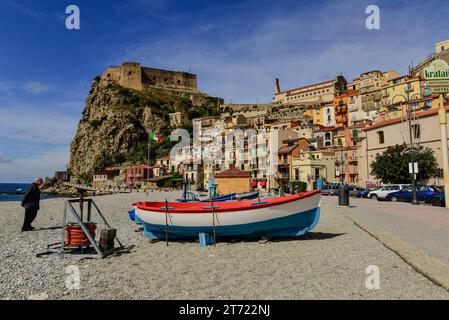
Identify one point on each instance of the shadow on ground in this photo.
(307, 236)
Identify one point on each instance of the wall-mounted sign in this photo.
(440, 89)
(437, 70)
(436, 76)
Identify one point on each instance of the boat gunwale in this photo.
(234, 206)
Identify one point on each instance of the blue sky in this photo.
(236, 48)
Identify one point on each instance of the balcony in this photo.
(283, 163)
(353, 108)
(377, 96)
(282, 176)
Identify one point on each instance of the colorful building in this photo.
(383, 134)
(308, 166)
(341, 110)
(316, 93)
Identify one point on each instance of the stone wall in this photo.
(133, 76)
(169, 80)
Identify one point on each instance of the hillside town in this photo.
(331, 130)
(221, 151)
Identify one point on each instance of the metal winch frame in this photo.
(91, 250)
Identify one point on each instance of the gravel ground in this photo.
(328, 263)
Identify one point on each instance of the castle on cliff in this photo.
(134, 76)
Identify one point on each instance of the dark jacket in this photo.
(32, 197)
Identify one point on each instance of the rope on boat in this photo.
(75, 236)
(166, 221)
(213, 221)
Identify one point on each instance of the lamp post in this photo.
(412, 132)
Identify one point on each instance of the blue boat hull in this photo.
(132, 215)
(294, 225)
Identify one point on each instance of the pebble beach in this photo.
(328, 263)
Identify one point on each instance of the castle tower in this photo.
(131, 76)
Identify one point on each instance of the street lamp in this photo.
(409, 118)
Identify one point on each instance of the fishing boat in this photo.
(287, 216)
(234, 196)
(191, 197)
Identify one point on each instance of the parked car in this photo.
(330, 190)
(436, 200)
(406, 194)
(353, 191)
(381, 193)
(364, 193)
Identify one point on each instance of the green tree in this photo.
(392, 165)
(299, 186)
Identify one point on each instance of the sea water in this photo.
(6, 188)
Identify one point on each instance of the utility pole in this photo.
(411, 133)
(444, 152)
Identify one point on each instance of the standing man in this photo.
(30, 202)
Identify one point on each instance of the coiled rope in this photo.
(74, 235)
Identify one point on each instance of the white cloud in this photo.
(32, 87)
(299, 47)
(25, 9)
(26, 169)
(37, 125)
(35, 87)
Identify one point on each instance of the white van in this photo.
(382, 193)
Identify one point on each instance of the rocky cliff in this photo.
(114, 127)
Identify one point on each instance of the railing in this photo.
(282, 176)
(283, 162)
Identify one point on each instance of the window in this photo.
(442, 48)
(416, 128)
(381, 137)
